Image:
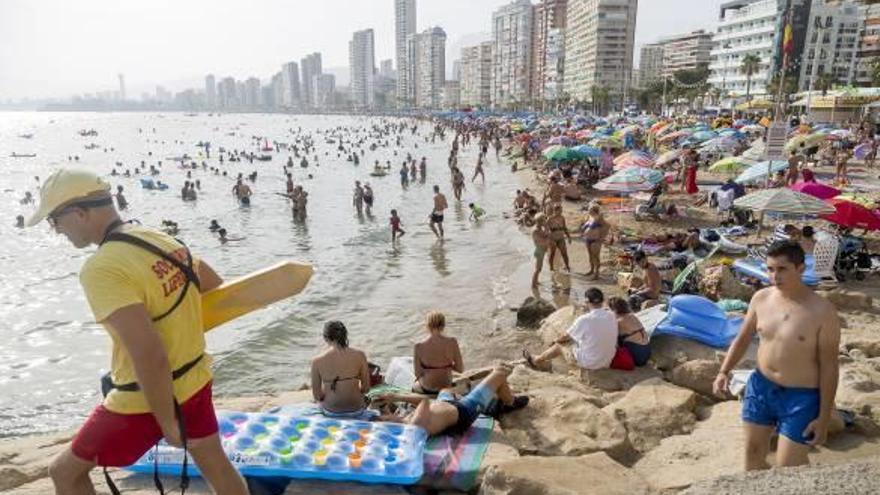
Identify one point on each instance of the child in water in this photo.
(476, 212)
(396, 231)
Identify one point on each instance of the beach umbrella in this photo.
(584, 134)
(674, 135)
(860, 200)
(852, 215)
(668, 157)
(731, 164)
(752, 128)
(861, 151)
(587, 151)
(756, 151)
(815, 189)
(606, 142)
(631, 179)
(701, 136)
(803, 140)
(634, 155)
(759, 171)
(560, 154)
(783, 200)
(720, 144)
(563, 140)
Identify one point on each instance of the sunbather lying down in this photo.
(450, 416)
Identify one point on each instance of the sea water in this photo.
(52, 353)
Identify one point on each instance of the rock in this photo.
(718, 282)
(500, 450)
(594, 473)
(653, 410)
(714, 448)
(847, 299)
(696, 375)
(843, 479)
(859, 387)
(561, 419)
(668, 351)
(609, 380)
(532, 311)
(558, 323)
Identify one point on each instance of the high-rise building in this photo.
(362, 65)
(548, 36)
(832, 43)
(427, 54)
(290, 86)
(599, 44)
(323, 87)
(229, 100)
(476, 75)
(651, 63)
(121, 87)
(404, 28)
(386, 69)
(310, 67)
(686, 51)
(278, 88)
(252, 93)
(451, 94)
(869, 46)
(210, 91)
(753, 27)
(512, 54)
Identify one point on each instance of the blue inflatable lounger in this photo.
(699, 319)
(756, 268)
(260, 444)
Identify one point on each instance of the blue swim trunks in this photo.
(469, 407)
(789, 409)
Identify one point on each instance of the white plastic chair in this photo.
(824, 256)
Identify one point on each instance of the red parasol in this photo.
(852, 215)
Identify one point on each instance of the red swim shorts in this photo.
(112, 439)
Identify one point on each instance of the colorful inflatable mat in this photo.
(260, 444)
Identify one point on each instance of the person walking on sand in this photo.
(792, 390)
(440, 206)
(143, 286)
(559, 235)
(594, 231)
(541, 238)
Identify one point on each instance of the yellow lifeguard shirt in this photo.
(121, 274)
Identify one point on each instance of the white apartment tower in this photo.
(832, 42)
(426, 52)
(651, 63)
(476, 75)
(210, 91)
(362, 64)
(548, 45)
(512, 54)
(121, 87)
(310, 67)
(290, 87)
(404, 28)
(599, 45)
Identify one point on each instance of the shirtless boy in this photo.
(793, 388)
(440, 206)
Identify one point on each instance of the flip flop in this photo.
(530, 362)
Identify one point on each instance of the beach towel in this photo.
(453, 462)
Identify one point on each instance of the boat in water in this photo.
(23, 155)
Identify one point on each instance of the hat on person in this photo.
(65, 187)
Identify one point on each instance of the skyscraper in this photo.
(323, 87)
(476, 75)
(512, 54)
(210, 91)
(252, 93)
(311, 67)
(290, 92)
(404, 28)
(599, 44)
(651, 63)
(427, 56)
(362, 65)
(121, 87)
(386, 68)
(547, 51)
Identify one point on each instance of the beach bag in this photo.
(623, 360)
(376, 377)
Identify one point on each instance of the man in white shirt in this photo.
(594, 338)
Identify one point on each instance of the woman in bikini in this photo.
(340, 374)
(435, 357)
(631, 333)
(541, 238)
(594, 231)
(558, 235)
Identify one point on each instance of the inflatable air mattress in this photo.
(755, 268)
(260, 444)
(697, 318)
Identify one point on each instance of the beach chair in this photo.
(825, 256)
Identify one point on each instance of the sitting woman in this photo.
(807, 239)
(631, 333)
(340, 374)
(435, 357)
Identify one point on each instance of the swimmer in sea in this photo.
(396, 231)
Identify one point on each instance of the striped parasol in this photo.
(634, 158)
(783, 200)
(759, 171)
(668, 157)
(730, 165)
(631, 179)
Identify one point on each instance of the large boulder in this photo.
(562, 419)
(848, 299)
(697, 375)
(669, 351)
(558, 323)
(714, 448)
(653, 410)
(844, 479)
(593, 473)
(609, 380)
(532, 311)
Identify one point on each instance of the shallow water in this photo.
(52, 353)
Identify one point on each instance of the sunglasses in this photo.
(53, 217)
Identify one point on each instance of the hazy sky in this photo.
(54, 48)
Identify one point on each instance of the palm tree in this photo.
(749, 66)
(825, 81)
